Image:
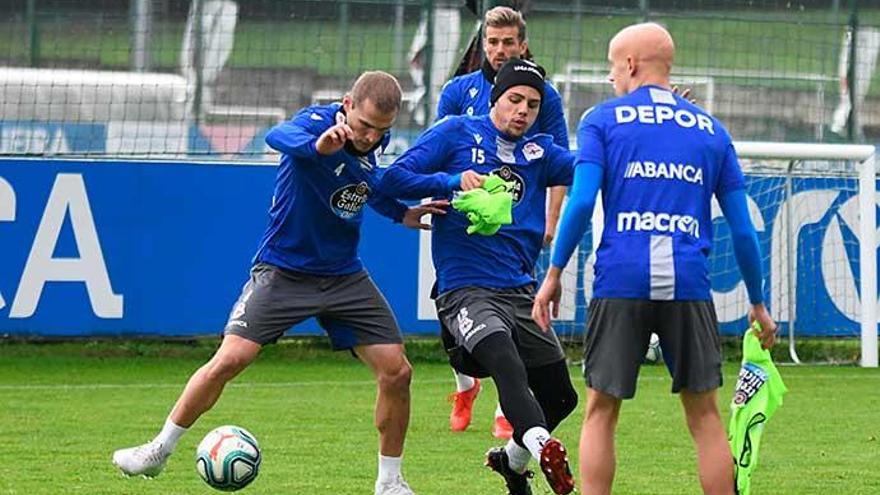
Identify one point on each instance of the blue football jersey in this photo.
(317, 207)
(663, 159)
(469, 95)
(456, 144)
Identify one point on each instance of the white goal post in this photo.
(864, 157)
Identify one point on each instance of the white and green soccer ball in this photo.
(228, 458)
(654, 354)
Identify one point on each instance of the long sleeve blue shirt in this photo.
(317, 207)
(469, 95)
(461, 143)
(660, 159)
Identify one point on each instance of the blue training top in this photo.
(469, 95)
(317, 207)
(662, 159)
(461, 143)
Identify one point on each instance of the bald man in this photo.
(658, 160)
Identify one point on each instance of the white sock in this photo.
(534, 439)
(169, 435)
(498, 411)
(463, 382)
(389, 468)
(517, 457)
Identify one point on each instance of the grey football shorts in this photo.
(349, 308)
(470, 314)
(617, 339)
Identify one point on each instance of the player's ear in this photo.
(631, 65)
(347, 102)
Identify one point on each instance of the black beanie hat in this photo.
(517, 72)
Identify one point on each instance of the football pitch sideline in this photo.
(65, 407)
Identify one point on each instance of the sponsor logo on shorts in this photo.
(348, 201)
(519, 184)
(466, 325)
(239, 309)
(751, 379)
(649, 221)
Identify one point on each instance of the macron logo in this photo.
(659, 114)
(650, 221)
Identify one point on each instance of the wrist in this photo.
(315, 146)
(453, 182)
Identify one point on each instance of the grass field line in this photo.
(100, 386)
(320, 383)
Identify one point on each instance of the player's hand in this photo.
(767, 335)
(686, 94)
(413, 216)
(471, 180)
(334, 138)
(547, 300)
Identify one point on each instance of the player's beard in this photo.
(353, 150)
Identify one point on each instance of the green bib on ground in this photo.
(759, 391)
(487, 208)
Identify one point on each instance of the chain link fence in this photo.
(207, 78)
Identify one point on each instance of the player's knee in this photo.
(396, 379)
(702, 416)
(700, 405)
(225, 367)
(568, 401)
(559, 405)
(602, 408)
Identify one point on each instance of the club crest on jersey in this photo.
(473, 92)
(519, 185)
(751, 379)
(532, 151)
(346, 202)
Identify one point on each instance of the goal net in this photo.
(814, 209)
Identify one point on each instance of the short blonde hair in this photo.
(506, 17)
(379, 87)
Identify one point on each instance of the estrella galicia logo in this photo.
(751, 378)
(519, 185)
(349, 200)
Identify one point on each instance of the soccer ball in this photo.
(228, 458)
(654, 354)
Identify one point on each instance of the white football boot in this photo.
(396, 486)
(144, 460)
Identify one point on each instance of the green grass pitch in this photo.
(65, 407)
